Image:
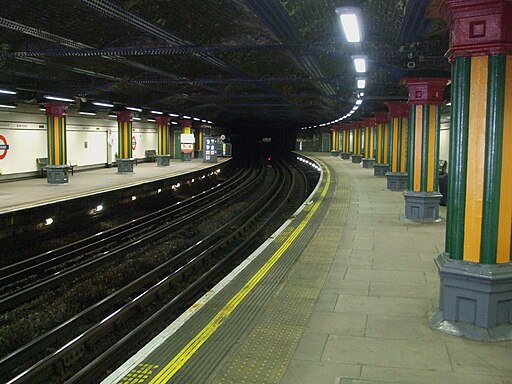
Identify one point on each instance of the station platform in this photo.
(339, 295)
(29, 193)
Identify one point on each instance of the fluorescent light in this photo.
(134, 109)
(111, 115)
(174, 115)
(174, 122)
(7, 92)
(360, 63)
(359, 102)
(351, 22)
(196, 119)
(361, 83)
(7, 106)
(102, 104)
(186, 117)
(59, 98)
(355, 108)
(136, 118)
(152, 120)
(203, 121)
(209, 122)
(361, 94)
(449, 103)
(48, 221)
(157, 112)
(87, 113)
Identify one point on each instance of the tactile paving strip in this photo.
(263, 354)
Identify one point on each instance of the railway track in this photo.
(86, 345)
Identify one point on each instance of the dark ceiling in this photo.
(250, 62)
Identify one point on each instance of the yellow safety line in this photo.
(190, 349)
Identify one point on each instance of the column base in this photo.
(356, 159)
(163, 160)
(186, 156)
(335, 153)
(397, 181)
(368, 163)
(125, 165)
(345, 155)
(380, 170)
(475, 300)
(57, 174)
(422, 206)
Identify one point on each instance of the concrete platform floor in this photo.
(370, 322)
(22, 194)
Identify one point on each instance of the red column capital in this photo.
(478, 27)
(162, 120)
(347, 126)
(368, 121)
(424, 90)
(335, 128)
(358, 124)
(56, 109)
(382, 117)
(398, 108)
(186, 123)
(124, 116)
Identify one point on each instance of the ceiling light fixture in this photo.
(359, 102)
(361, 83)
(7, 92)
(56, 98)
(102, 104)
(174, 115)
(360, 63)
(351, 22)
(87, 113)
(134, 109)
(7, 106)
(157, 112)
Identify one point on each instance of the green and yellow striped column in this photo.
(357, 129)
(476, 268)
(56, 143)
(345, 153)
(397, 176)
(422, 197)
(381, 166)
(369, 142)
(124, 142)
(162, 123)
(125, 133)
(335, 141)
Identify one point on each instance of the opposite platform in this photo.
(341, 295)
(22, 194)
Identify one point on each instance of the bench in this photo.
(150, 155)
(41, 162)
(72, 165)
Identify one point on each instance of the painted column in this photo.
(422, 196)
(345, 154)
(335, 145)
(124, 142)
(381, 166)
(187, 140)
(369, 136)
(57, 168)
(358, 142)
(396, 176)
(163, 157)
(475, 269)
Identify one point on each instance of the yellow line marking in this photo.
(191, 348)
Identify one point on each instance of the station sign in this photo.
(4, 147)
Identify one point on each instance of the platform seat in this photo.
(41, 162)
(150, 155)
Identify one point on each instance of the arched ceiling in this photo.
(262, 62)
